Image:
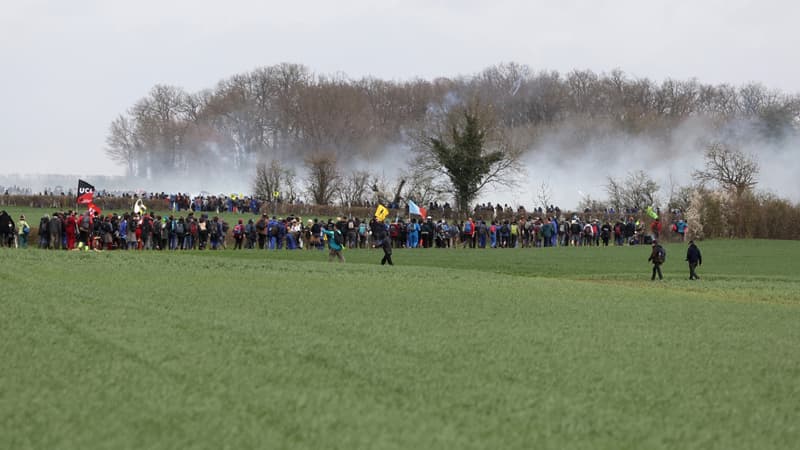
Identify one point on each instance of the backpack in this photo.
(467, 227)
(164, 231)
(237, 230)
(180, 229)
(273, 230)
(84, 222)
(193, 228)
(661, 254)
(337, 238)
(26, 229)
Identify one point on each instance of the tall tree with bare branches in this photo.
(730, 168)
(323, 178)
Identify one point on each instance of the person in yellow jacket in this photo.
(23, 230)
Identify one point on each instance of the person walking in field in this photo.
(657, 257)
(335, 243)
(24, 230)
(694, 258)
(382, 240)
(6, 229)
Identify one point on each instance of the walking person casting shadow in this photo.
(694, 258)
(657, 257)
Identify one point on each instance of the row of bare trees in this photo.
(287, 112)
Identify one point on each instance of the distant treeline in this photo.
(286, 112)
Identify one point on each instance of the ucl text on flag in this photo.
(85, 193)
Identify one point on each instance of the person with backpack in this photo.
(23, 231)
(261, 231)
(272, 233)
(335, 242)
(412, 234)
(618, 233)
(85, 227)
(694, 258)
(238, 235)
(177, 230)
(657, 257)
(251, 234)
(468, 233)
(605, 233)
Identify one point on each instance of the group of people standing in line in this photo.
(143, 231)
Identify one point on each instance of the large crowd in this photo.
(200, 230)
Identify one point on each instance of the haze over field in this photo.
(70, 70)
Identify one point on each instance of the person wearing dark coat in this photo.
(7, 230)
(382, 240)
(694, 258)
(657, 258)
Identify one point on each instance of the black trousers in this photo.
(692, 273)
(657, 270)
(387, 252)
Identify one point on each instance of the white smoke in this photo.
(574, 170)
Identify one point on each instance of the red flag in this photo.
(85, 193)
(95, 209)
(423, 212)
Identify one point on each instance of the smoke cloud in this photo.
(572, 161)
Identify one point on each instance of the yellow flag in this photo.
(381, 212)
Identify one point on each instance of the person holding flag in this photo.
(382, 240)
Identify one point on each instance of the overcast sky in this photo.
(70, 67)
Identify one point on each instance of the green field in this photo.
(449, 349)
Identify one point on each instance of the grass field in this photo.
(485, 349)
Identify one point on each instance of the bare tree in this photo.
(274, 178)
(615, 195)
(423, 187)
(354, 187)
(323, 177)
(124, 146)
(730, 168)
(544, 194)
(638, 191)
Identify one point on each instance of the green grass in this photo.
(540, 348)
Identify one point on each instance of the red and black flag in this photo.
(85, 193)
(94, 209)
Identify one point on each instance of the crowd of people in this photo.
(72, 230)
(202, 230)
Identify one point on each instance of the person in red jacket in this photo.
(655, 227)
(71, 229)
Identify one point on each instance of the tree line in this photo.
(271, 119)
